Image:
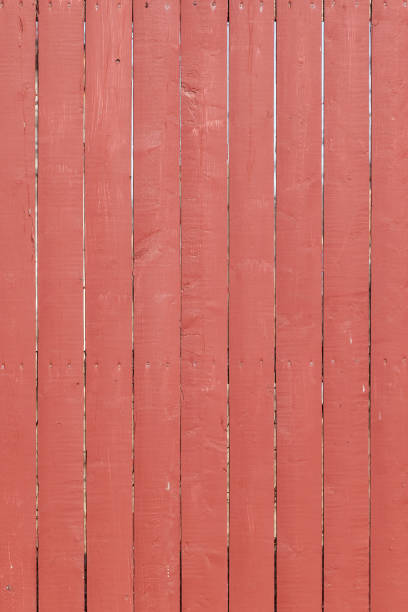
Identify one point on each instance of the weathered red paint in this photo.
(299, 306)
(346, 307)
(204, 305)
(389, 308)
(60, 306)
(157, 304)
(252, 304)
(108, 274)
(17, 306)
(180, 307)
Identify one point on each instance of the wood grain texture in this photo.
(346, 307)
(108, 273)
(389, 417)
(252, 296)
(299, 306)
(204, 305)
(17, 306)
(157, 304)
(60, 306)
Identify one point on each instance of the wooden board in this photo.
(389, 308)
(299, 306)
(108, 274)
(60, 306)
(17, 306)
(252, 304)
(157, 304)
(346, 307)
(204, 304)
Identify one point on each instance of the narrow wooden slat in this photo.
(299, 306)
(157, 304)
(204, 304)
(389, 416)
(346, 307)
(251, 338)
(108, 274)
(60, 308)
(17, 306)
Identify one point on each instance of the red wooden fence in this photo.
(203, 305)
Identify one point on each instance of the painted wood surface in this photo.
(252, 306)
(108, 324)
(17, 307)
(346, 307)
(299, 306)
(157, 304)
(185, 457)
(389, 308)
(60, 306)
(204, 305)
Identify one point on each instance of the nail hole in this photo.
(117, 61)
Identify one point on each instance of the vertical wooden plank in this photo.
(299, 306)
(108, 274)
(17, 305)
(346, 307)
(252, 296)
(157, 304)
(204, 304)
(60, 308)
(389, 416)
